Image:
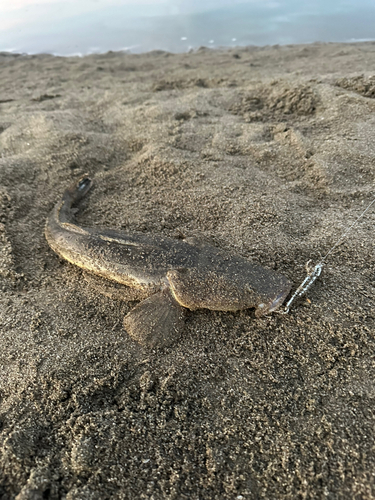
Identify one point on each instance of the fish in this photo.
(169, 276)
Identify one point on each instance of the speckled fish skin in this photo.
(194, 275)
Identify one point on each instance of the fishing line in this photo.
(317, 270)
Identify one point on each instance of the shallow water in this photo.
(178, 26)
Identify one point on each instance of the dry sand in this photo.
(267, 152)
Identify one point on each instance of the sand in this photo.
(266, 152)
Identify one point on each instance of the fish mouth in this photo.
(279, 300)
(264, 308)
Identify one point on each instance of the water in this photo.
(84, 26)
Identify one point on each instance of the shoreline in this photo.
(191, 50)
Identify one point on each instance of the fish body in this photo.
(172, 274)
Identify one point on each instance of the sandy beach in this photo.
(267, 153)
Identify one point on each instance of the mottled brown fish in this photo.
(170, 275)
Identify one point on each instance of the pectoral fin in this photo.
(156, 321)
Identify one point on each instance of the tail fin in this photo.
(61, 230)
(71, 196)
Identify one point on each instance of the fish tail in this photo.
(60, 226)
(77, 191)
(71, 197)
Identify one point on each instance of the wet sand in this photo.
(268, 153)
